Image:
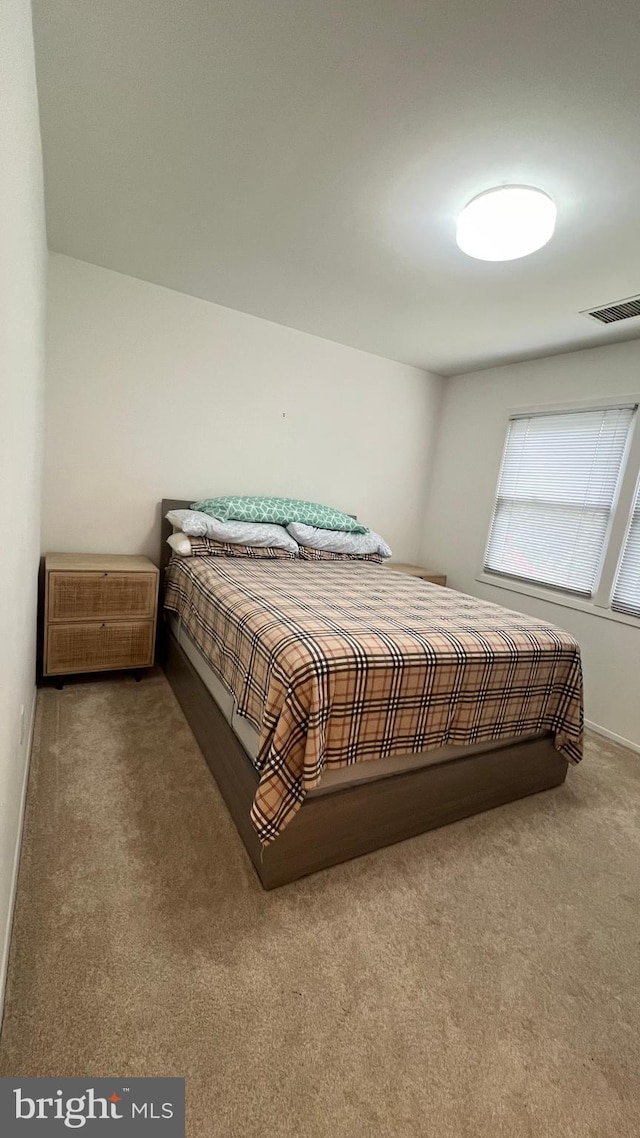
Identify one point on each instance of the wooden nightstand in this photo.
(99, 613)
(417, 571)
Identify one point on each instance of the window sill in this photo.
(564, 600)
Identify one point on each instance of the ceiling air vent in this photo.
(619, 310)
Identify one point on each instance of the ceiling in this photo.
(305, 160)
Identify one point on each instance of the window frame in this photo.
(599, 604)
(623, 547)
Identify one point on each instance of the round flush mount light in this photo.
(506, 223)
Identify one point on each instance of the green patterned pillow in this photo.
(279, 511)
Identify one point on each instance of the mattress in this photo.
(338, 664)
(342, 776)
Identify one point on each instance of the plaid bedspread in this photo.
(338, 662)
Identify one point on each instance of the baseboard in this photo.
(612, 735)
(4, 956)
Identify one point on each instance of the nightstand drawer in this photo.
(434, 578)
(101, 596)
(97, 647)
(417, 571)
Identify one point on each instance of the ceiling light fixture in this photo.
(506, 223)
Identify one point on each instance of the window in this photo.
(556, 496)
(626, 594)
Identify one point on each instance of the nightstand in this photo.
(417, 571)
(100, 613)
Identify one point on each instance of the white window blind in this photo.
(626, 594)
(555, 495)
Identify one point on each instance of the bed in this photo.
(342, 707)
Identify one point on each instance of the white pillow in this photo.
(196, 523)
(180, 543)
(337, 541)
(260, 534)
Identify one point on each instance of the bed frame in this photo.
(346, 822)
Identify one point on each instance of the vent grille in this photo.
(610, 313)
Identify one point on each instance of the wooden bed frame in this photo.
(346, 822)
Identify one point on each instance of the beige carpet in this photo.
(481, 980)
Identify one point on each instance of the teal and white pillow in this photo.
(278, 511)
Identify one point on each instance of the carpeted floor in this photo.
(481, 980)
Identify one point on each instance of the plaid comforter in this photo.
(338, 662)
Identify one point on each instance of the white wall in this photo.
(152, 394)
(22, 273)
(465, 472)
